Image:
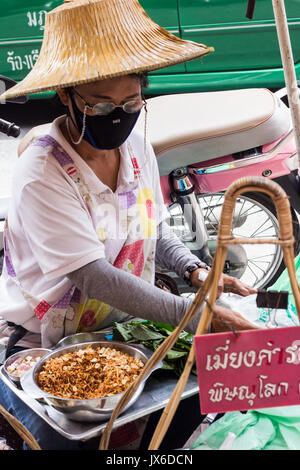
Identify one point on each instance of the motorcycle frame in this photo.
(277, 161)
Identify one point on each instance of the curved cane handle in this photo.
(210, 286)
(285, 240)
(278, 196)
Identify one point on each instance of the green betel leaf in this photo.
(122, 332)
(173, 355)
(161, 326)
(142, 333)
(186, 337)
(151, 335)
(168, 365)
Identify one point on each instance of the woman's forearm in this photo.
(128, 293)
(171, 253)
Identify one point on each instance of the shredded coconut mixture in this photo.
(89, 373)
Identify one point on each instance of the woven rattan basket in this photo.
(210, 288)
(208, 291)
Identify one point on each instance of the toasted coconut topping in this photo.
(89, 373)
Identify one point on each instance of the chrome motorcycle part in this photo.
(236, 260)
(193, 216)
(184, 195)
(181, 182)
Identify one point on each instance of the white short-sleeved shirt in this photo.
(54, 230)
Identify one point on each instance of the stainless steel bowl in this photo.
(96, 409)
(84, 338)
(35, 352)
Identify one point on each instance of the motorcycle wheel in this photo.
(254, 217)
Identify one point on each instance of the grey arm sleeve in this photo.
(171, 253)
(128, 293)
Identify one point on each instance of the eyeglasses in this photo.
(105, 108)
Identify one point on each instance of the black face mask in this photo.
(106, 132)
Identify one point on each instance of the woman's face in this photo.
(118, 90)
(104, 113)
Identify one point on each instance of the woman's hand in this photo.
(197, 283)
(227, 319)
(225, 284)
(234, 285)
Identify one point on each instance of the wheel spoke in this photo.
(241, 208)
(253, 234)
(254, 274)
(259, 257)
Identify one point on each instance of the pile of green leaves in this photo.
(151, 335)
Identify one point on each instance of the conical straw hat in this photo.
(89, 40)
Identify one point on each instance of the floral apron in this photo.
(63, 317)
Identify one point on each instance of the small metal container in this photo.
(19, 356)
(84, 338)
(96, 409)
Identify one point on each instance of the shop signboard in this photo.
(248, 369)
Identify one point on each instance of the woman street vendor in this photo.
(87, 221)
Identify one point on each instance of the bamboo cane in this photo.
(288, 67)
(20, 429)
(286, 241)
(159, 354)
(171, 407)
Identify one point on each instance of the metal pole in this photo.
(289, 68)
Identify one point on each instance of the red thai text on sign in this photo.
(253, 369)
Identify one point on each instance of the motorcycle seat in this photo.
(189, 128)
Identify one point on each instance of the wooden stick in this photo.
(211, 286)
(288, 67)
(20, 429)
(171, 407)
(158, 355)
(225, 239)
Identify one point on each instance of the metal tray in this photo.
(95, 409)
(156, 394)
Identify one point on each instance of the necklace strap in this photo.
(77, 142)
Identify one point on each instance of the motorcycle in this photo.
(205, 141)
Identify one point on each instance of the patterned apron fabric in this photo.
(73, 312)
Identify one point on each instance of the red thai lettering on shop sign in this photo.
(248, 370)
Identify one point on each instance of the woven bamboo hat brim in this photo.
(90, 40)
